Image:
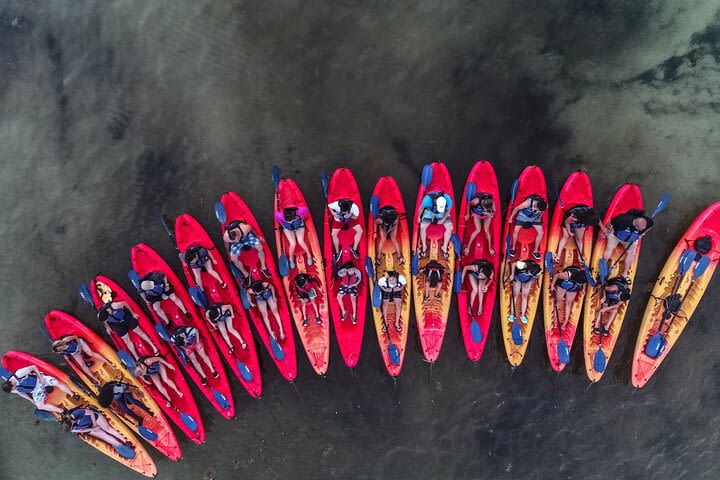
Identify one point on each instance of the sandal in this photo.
(398, 327)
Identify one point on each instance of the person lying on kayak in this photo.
(625, 230)
(88, 421)
(565, 287)
(615, 292)
(154, 288)
(523, 276)
(187, 339)
(121, 394)
(119, 319)
(480, 272)
(34, 386)
(350, 277)
(263, 294)
(153, 369)
(292, 222)
(575, 221)
(221, 316)
(386, 229)
(528, 215)
(198, 260)
(434, 274)
(239, 237)
(344, 217)
(435, 209)
(482, 210)
(305, 289)
(74, 349)
(392, 284)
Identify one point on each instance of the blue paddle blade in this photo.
(655, 345)
(198, 296)
(508, 242)
(376, 296)
(220, 398)
(700, 267)
(44, 333)
(427, 175)
(220, 213)
(244, 298)
(125, 451)
(188, 421)
(393, 353)
(414, 264)
(84, 292)
(457, 281)
(325, 182)
(134, 279)
(245, 372)
(563, 352)
(457, 246)
(277, 350)
(162, 331)
(661, 206)
(126, 359)
(603, 270)
(517, 335)
(375, 206)
(549, 265)
(514, 190)
(590, 279)
(476, 331)
(686, 260)
(276, 176)
(147, 433)
(470, 191)
(599, 361)
(44, 415)
(283, 266)
(5, 374)
(369, 268)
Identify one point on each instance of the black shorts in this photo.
(391, 295)
(527, 224)
(122, 329)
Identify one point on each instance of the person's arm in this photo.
(358, 278)
(517, 208)
(164, 362)
(466, 269)
(354, 212)
(230, 310)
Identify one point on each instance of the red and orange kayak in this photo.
(342, 185)
(689, 288)
(285, 357)
(315, 336)
(432, 315)
(481, 180)
(576, 192)
(627, 198)
(387, 260)
(104, 290)
(146, 260)
(242, 361)
(141, 463)
(531, 182)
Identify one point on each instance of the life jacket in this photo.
(152, 368)
(568, 284)
(389, 216)
(117, 317)
(27, 384)
(81, 420)
(478, 209)
(528, 212)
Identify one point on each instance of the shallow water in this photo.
(112, 112)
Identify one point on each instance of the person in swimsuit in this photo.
(386, 228)
(392, 284)
(187, 339)
(349, 277)
(34, 386)
(264, 295)
(119, 319)
(575, 221)
(153, 369)
(221, 316)
(88, 421)
(565, 287)
(198, 260)
(305, 290)
(345, 217)
(480, 273)
(292, 222)
(626, 230)
(77, 351)
(154, 288)
(524, 275)
(528, 214)
(615, 293)
(482, 210)
(435, 209)
(434, 274)
(239, 237)
(122, 394)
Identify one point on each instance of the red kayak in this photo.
(312, 316)
(432, 312)
(60, 324)
(242, 361)
(349, 333)
(475, 318)
(217, 390)
(103, 290)
(232, 208)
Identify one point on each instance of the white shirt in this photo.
(335, 208)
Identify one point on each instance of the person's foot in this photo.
(425, 298)
(309, 260)
(231, 350)
(445, 253)
(266, 272)
(215, 374)
(605, 332)
(282, 336)
(511, 253)
(305, 322)
(466, 250)
(343, 315)
(479, 312)
(223, 285)
(438, 296)
(318, 320)
(243, 345)
(377, 261)
(492, 252)
(167, 404)
(188, 315)
(423, 252)
(272, 335)
(536, 255)
(470, 311)
(398, 327)
(336, 257)
(596, 330)
(523, 319)
(384, 327)
(291, 264)
(401, 260)
(355, 252)
(203, 380)
(354, 319)
(511, 318)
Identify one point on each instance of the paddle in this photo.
(125, 451)
(44, 415)
(600, 359)
(556, 192)
(220, 213)
(134, 279)
(162, 331)
(326, 185)
(85, 294)
(470, 191)
(563, 351)
(393, 351)
(5, 374)
(425, 179)
(516, 330)
(198, 297)
(457, 277)
(283, 264)
(127, 360)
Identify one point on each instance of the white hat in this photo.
(520, 264)
(440, 204)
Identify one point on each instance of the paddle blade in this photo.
(376, 296)
(189, 421)
(126, 359)
(603, 270)
(277, 350)
(369, 268)
(686, 260)
(393, 353)
(283, 266)
(220, 398)
(244, 298)
(517, 335)
(134, 279)
(427, 175)
(414, 264)
(325, 182)
(549, 265)
(44, 333)
(590, 279)
(375, 206)
(276, 176)
(700, 267)
(147, 433)
(162, 331)
(5, 374)
(44, 415)
(476, 331)
(198, 296)
(655, 345)
(563, 352)
(85, 294)
(220, 213)
(661, 206)
(163, 220)
(245, 372)
(470, 191)
(125, 451)
(457, 281)
(457, 246)
(514, 190)
(599, 361)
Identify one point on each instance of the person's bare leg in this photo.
(229, 327)
(569, 300)
(261, 255)
(427, 291)
(292, 244)
(611, 318)
(561, 245)
(477, 221)
(300, 237)
(212, 272)
(201, 351)
(385, 305)
(481, 295)
(80, 362)
(235, 259)
(579, 236)
(516, 230)
(473, 291)
(157, 308)
(423, 235)
(108, 429)
(358, 235)
(486, 229)
(196, 365)
(177, 302)
(448, 233)
(610, 246)
(538, 237)
(340, 300)
(160, 388)
(262, 307)
(629, 258)
(353, 304)
(524, 297)
(396, 245)
(381, 242)
(517, 289)
(129, 345)
(272, 303)
(334, 233)
(398, 313)
(166, 379)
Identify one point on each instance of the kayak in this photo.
(242, 361)
(531, 182)
(141, 461)
(432, 314)
(161, 435)
(577, 191)
(342, 185)
(315, 336)
(475, 327)
(656, 336)
(627, 198)
(102, 289)
(217, 390)
(388, 195)
(233, 208)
